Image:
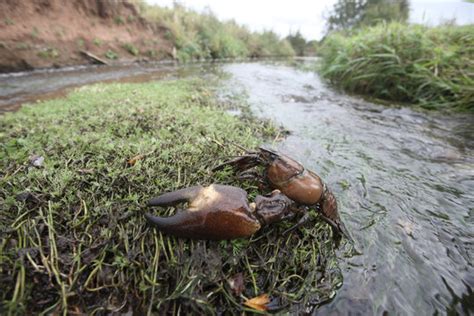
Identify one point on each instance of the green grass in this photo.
(131, 49)
(429, 67)
(110, 54)
(73, 235)
(48, 53)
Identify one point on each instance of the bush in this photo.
(431, 67)
(202, 35)
(131, 49)
(110, 54)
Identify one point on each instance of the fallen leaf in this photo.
(258, 303)
(86, 171)
(133, 161)
(237, 284)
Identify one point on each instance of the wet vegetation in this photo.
(348, 15)
(75, 176)
(202, 35)
(370, 49)
(430, 67)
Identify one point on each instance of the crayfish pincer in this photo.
(219, 212)
(293, 180)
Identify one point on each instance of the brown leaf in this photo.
(132, 161)
(237, 284)
(258, 303)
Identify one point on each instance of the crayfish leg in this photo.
(241, 163)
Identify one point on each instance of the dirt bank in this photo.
(52, 33)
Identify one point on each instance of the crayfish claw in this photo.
(215, 212)
(175, 197)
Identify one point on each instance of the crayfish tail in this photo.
(330, 213)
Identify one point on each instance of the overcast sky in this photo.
(308, 16)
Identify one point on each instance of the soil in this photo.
(54, 33)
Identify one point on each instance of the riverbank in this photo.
(429, 67)
(54, 34)
(76, 174)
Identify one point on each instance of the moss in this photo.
(73, 235)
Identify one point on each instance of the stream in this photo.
(404, 178)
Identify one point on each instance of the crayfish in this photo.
(219, 212)
(292, 179)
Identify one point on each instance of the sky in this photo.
(307, 16)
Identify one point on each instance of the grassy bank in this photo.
(430, 67)
(201, 35)
(72, 234)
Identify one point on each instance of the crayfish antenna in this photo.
(342, 230)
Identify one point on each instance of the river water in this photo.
(404, 180)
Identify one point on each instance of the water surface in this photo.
(404, 181)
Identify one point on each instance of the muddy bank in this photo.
(53, 33)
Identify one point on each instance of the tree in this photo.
(349, 14)
(298, 43)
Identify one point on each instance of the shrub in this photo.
(131, 49)
(48, 53)
(111, 54)
(202, 35)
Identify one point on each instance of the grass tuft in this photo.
(73, 238)
(430, 67)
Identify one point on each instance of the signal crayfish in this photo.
(219, 212)
(301, 185)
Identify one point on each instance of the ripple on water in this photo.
(404, 180)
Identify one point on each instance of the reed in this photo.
(429, 67)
